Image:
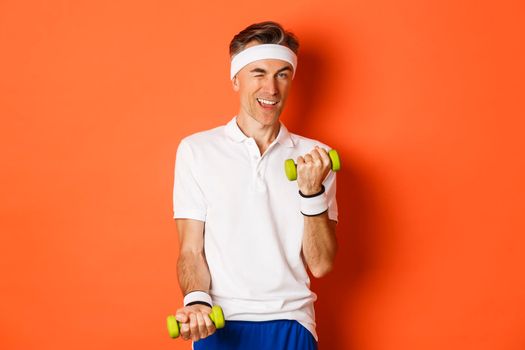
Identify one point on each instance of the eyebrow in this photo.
(263, 71)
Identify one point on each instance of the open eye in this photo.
(283, 75)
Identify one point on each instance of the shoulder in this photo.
(205, 136)
(204, 140)
(306, 144)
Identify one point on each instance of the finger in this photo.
(316, 157)
(308, 158)
(321, 149)
(209, 325)
(201, 324)
(324, 156)
(193, 327)
(300, 160)
(185, 331)
(181, 316)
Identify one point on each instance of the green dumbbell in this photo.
(290, 168)
(216, 316)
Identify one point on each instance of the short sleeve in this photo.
(188, 198)
(330, 189)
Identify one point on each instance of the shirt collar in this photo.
(233, 131)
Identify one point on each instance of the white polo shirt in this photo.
(253, 229)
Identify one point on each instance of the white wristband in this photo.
(197, 296)
(312, 206)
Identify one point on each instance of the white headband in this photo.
(262, 52)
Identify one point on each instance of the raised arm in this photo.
(319, 239)
(319, 244)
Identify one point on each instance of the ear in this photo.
(235, 83)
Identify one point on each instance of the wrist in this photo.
(198, 297)
(312, 193)
(314, 204)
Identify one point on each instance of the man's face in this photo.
(263, 87)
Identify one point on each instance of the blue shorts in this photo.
(248, 335)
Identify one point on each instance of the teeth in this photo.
(267, 102)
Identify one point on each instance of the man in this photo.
(247, 234)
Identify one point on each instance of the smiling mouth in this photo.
(266, 103)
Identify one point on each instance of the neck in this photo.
(263, 134)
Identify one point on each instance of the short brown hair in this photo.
(265, 33)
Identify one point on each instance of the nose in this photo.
(270, 86)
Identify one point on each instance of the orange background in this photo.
(423, 99)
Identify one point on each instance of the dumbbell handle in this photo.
(290, 168)
(216, 316)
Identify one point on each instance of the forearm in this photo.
(319, 243)
(194, 275)
(193, 272)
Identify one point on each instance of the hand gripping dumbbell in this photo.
(216, 316)
(290, 168)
